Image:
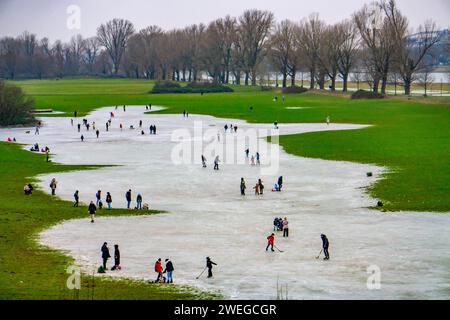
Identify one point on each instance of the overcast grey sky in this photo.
(49, 17)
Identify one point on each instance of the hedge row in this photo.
(192, 87)
(363, 94)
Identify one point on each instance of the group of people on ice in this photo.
(164, 275)
(106, 255)
(92, 208)
(325, 242)
(152, 128)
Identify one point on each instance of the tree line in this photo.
(374, 45)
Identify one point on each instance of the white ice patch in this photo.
(208, 217)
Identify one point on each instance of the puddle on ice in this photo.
(208, 217)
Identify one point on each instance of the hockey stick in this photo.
(319, 254)
(201, 273)
(278, 249)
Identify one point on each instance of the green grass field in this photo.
(410, 138)
(30, 271)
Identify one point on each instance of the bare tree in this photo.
(114, 36)
(347, 50)
(91, 52)
(283, 51)
(379, 43)
(410, 50)
(255, 26)
(310, 33)
(10, 55)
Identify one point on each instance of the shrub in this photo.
(15, 106)
(363, 94)
(289, 90)
(192, 87)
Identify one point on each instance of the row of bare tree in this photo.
(376, 40)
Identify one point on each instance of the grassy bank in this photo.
(29, 271)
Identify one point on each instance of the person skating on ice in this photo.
(158, 270)
(105, 254)
(209, 265)
(203, 161)
(216, 163)
(325, 245)
(92, 209)
(169, 269)
(116, 258)
(270, 242)
(243, 187)
(285, 228)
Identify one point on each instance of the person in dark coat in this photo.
(128, 197)
(116, 258)
(209, 265)
(169, 269)
(77, 198)
(325, 245)
(105, 254)
(92, 209)
(280, 183)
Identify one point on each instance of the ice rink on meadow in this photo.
(207, 216)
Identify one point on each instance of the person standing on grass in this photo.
(92, 209)
(116, 258)
(53, 184)
(328, 120)
(158, 270)
(139, 201)
(108, 200)
(285, 228)
(105, 254)
(77, 198)
(243, 187)
(128, 197)
(169, 269)
(270, 242)
(209, 265)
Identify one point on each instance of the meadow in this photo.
(410, 138)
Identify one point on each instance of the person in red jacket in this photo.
(158, 269)
(270, 241)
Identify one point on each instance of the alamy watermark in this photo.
(73, 21)
(374, 278)
(74, 280)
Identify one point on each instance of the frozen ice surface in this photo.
(208, 217)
